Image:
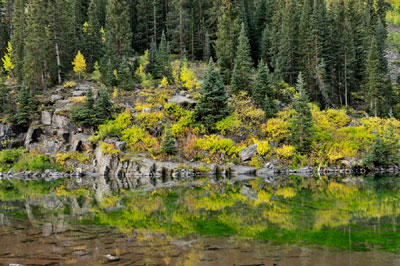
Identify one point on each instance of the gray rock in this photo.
(78, 93)
(264, 172)
(33, 135)
(61, 122)
(305, 170)
(179, 99)
(346, 163)
(146, 110)
(247, 153)
(55, 98)
(46, 118)
(5, 131)
(120, 145)
(243, 170)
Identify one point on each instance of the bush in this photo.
(215, 144)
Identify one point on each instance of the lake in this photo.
(279, 221)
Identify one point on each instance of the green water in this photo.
(359, 216)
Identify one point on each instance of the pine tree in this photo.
(163, 58)
(265, 46)
(153, 67)
(168, 144)
(213, 104)
(86, 115)
(263, 87)
(4, 29)
(26, 108)
(241, 77)
(178, 26)
(302, 120)
(227, 36)
(36, 46)
(125, 75)
(6, 102)
(118, 33)
(207, 47)
(103, 106)
(17, 39)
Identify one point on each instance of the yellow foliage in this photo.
(149, 121)
(109, 148)
(85, 26)
(286, 151)
(262, 147)
(7, 63)
(69, 84)
(103, 35)
(286, 192)
(145, 78)
(61, 158)
(79, 63)
(228, 124)
(215, 144)
(188, 78)
(329, 119)
(276, 129)
(164, 82)
(115, 93)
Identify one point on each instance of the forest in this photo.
(309, 77)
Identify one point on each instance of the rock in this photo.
(146, 110)
(78, 93)
(33, 135)
(305, 170)
(61, 122)
(80, 142)
(55, 98)
(179, 99)
(346, 163)
(243, 170)
(247, 153)
(46, 118)
(264, 172)
(120, 145)
(5, 131)
(269, 165)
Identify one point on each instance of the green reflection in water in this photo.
(299, 211)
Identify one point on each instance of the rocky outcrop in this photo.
(247, 153)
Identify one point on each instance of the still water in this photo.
(250, 221)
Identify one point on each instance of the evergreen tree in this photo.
(168, 144)
(269, 107)
(17, 39)
(125, 75)
(227, 35)
(178, 26)
(265, 46)
(263, 87)
(241, 77)
(213, 104)
(163, 58)
(118, 33)
(153, 67)
(207, 48)
(103, 106)
(85, 116)
(6, 101)
(4, 29)
(302, 120)
(26, 108)
(36, 44)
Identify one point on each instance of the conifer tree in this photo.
(241, 77)
(125, 75)
(213, 104)
(36, 46)
(227, 35)
(168, 144)
(263, 85)
(118, 33)
(18, 39)
(86, 115)
(163, 58)
(265, 46)
(26, 108)
(4, 29)
(178, 26)
(207, 47)
(103, 106)
(302, 120)
(153, 67)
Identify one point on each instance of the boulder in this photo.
(55, 98)
(46, 118)
(247, 153)
(243, 170)
(264, 172)
(33, 135)
(61, 122)
(120, 145)
(179, 99)
(78, 93)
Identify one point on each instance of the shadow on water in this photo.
(216, 220)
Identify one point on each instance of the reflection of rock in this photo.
(243, 170)
(111, 258)
(249, 193)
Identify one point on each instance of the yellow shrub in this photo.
(149, 121)
(215, 144)
(61, 158)
(262, 147)
(109, 148)
(285, 152)
(69, 84)
(228, 124)
(164, 82)
(132, 135)
(188, 78)
(182, 126)
(330, 119)
(276, 129)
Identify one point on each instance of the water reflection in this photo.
(307, 216)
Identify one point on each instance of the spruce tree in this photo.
(227, 36)
(163, 58)
(241, 77)
(302, 120)
(213, 103)
(85, 116)
(118, 33)
(207, 47)
(168, 144)
(103, 106)
(17, 39)
(26, 108)
(178, 26)
(125, 75)
(153, 67)
(36, 44)
(94, 49)
(263, 85)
